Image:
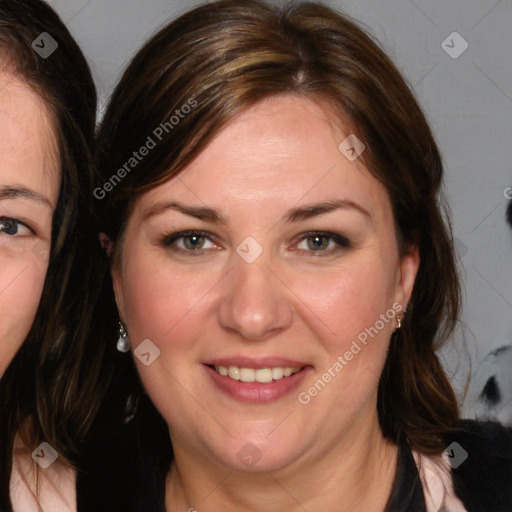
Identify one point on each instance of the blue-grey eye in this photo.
(189, 241)
(13, 227)
(322, 242)
(318, 242)
(194, 242)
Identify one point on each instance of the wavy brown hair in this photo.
(229, 55)
(51, 389)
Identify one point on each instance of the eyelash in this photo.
(10, 220)
(341, 241)
(169, 240)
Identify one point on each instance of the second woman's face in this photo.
(29, 187)
(272, 253)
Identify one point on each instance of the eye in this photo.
(189, 241)
(14, 227)
(322, 242)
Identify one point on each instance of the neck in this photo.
(356, 473)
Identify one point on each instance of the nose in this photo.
(256, 303)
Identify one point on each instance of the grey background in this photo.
(468, 101)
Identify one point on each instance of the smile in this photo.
(261, 375)
(257, 385)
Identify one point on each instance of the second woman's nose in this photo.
(255, 302)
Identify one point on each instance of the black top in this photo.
(125, 464)
(407, 492)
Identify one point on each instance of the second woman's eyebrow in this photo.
(313, 210)
(19, 192)
(294, 215)
(198, 212)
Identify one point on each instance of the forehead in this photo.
(28, 147)
(281, 152)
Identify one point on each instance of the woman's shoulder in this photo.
(38, 489)
(480, 455)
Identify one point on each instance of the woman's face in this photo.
(271, 251)
(29, 186)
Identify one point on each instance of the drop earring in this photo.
(123, 342)
(398, 321)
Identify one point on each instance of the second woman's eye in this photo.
(189, 241)
(322, 242)
(194, 242)
(13, 227)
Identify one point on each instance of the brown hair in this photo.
(228, 55)
(50, 391)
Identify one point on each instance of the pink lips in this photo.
(256, 392)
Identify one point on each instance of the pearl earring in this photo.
(123, 342)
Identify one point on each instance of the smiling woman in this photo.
(47, 120)
(287, 236)
(29, 188)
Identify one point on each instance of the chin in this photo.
(250, 456)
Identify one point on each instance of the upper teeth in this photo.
(256, 375)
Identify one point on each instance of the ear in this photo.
(409, 265)
(108, 246)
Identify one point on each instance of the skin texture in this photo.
(290, 302)
(28, 162)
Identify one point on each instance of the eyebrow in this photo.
(294, 215)
(199, 212)
(18, 192)
(308, 211)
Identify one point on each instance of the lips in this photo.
(256, 380)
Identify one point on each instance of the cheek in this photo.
(357, 307)
(169, 307)
(164, 303)
(348, 300)
(21, 292)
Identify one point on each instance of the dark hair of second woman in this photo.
(45, 395)
(226, 64)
